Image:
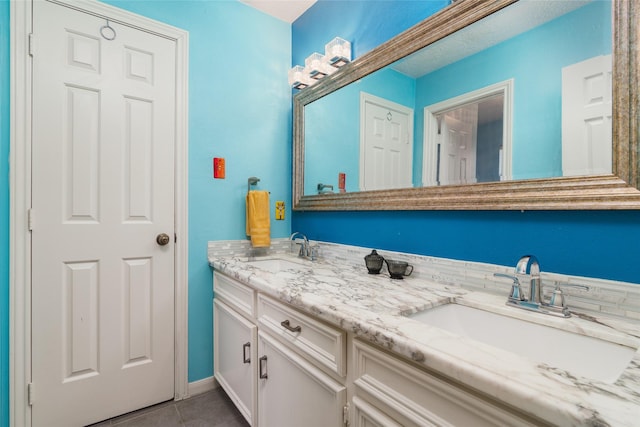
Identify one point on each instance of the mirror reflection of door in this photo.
(458, 137)
(586, 117)
(471, 142)
(386, 144)
(467, 138)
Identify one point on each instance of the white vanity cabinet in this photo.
(391, 392)
(235, 338)
(279, 366)
(293, 392)
(284, 368)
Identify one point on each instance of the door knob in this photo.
(163, 239)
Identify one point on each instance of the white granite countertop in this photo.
(374, 308)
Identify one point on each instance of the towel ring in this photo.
(252, 181)
(110, 32)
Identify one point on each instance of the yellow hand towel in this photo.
(258, 220)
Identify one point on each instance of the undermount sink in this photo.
(581, 355)
(276, 265)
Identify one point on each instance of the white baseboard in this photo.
(202, 386)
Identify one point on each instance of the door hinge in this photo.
(30, 215)
(345, 414)
(30, 44)
(175, 238)
(30, 394)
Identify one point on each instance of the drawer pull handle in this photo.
(263, 372)
(246, 359)
(287, 326)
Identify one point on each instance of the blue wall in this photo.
(599, 244)
(365, 23)
(239, 109)
(4, 212)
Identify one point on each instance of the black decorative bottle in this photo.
(373, 261)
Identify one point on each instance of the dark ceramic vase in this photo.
(373, 261)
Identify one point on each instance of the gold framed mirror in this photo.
(616, 190)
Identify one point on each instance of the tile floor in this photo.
(210, 409)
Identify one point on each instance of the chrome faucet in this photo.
(528, 265)
(322, 188)
(306, 249)
(304, 245)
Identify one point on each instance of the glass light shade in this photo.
(338, 52)
(298, 77)
(317, 66)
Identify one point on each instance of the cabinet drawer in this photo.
(239, 296)
(415, 397)
(321, 342)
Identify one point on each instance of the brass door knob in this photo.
(163, 239)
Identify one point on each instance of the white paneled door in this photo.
(458, 142)
(103, 191)
(586, 117)
(386, 146)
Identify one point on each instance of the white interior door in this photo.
(103, 189)
(458, 146)
(586, 117)
(386, 149)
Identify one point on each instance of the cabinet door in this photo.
(234, 357)
(414, 397)
(366, 415)
(292, 392)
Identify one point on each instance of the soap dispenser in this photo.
(373, 261)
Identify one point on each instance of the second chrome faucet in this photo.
(529, 267)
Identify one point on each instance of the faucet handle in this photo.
(557, 297)
(313, 252)
(516, 290)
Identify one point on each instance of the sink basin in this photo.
(275, 265)
(581, 355)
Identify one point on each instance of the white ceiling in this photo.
(285, 10)
(513, 20)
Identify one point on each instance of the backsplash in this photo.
(603, 296)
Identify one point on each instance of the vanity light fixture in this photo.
(338, 52)
(298, 77)
(318, 66)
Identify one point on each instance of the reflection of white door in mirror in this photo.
(457, 153)
(468, 137)
(586, 117)
(386, 144)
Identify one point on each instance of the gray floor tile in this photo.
(213, 408)
(210, 409)
(164, 416)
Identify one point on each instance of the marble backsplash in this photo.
(603, 296)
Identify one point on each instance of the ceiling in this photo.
(285, 10)
(513, 20)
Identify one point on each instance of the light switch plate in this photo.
(279, 210)
(219, 168)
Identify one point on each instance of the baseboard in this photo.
(202, 386)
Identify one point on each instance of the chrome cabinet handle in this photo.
(287, 325)
(263, 372)
(246, 359)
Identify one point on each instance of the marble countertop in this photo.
(375, 309)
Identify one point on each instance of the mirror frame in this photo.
(616, 191)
